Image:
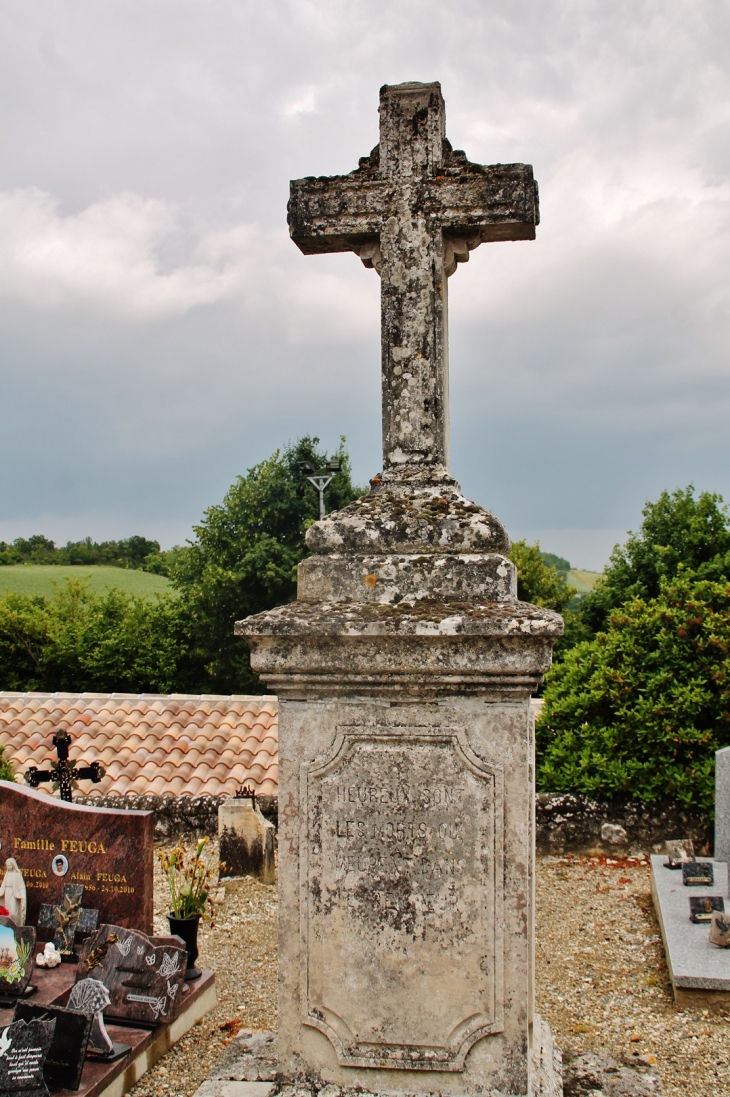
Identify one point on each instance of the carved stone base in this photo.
(405, 882)
(406, 810)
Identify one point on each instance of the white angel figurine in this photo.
(12, 892)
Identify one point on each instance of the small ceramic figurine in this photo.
(50, 957)
(12, 892)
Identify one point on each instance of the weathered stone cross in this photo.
(413, 209)
(404, 670)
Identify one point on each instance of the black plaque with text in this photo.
(23, 1050)
(698, 874)
(65, 1060)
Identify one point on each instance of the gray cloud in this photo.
(160, 333)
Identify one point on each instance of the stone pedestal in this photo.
(406, 835)
(246, 840)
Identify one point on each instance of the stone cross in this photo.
(404, 672)
(413, 209)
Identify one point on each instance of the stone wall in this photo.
(565, 823)
(178, 816)
(576, 824)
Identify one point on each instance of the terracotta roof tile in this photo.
(150, 744)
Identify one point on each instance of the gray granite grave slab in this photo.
(250, 1057)
(692, 961)
(722, 804)
(217, 1087)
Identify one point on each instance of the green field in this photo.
(40, 579)
(583, 581)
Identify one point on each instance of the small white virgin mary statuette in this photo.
(12, 892)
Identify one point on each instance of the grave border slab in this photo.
(700, 972)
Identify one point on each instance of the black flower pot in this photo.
(187, 928)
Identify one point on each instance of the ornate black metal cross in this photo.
(64, 775)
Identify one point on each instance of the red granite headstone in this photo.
(110, 852)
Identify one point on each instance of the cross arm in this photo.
(483, 203)
(35, 776)
(95, 772)
(336, 213)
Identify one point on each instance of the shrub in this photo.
(79, 641)
(641, 709)
(6, 769)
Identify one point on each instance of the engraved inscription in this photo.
(401, 879)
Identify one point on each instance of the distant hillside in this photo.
(583, 581)
(39, 579)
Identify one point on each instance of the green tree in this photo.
(79, 641)
(537, 581)
(557, 562)
(244, 561)
(132, 552)
(164, 563)
(641, 709)
(679, 532)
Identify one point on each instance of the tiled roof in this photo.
(149, 744)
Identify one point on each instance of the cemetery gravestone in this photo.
(65, 1061)
(91, 997)
(24, 1046)
(246, 840)
(143, 975)
(56, 843)
(404, 672)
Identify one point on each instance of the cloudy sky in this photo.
(160, 333)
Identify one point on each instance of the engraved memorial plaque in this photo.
(720, 930)
(65, 1061)
(17, 944)
(701, 907)
(24, 1046)
(145, 976)
(402, 882)
(698, 874)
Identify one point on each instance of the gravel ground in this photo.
(602, 982)
(241, 948)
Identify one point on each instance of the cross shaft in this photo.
(412, 210)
